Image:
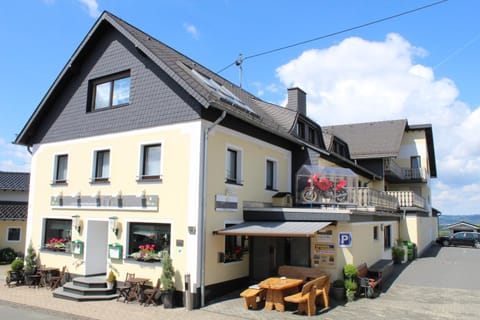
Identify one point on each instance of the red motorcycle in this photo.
(325, 188)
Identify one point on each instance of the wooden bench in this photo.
(296, 272)
(251, 296)
(306, 299)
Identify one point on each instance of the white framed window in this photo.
(150, 166)
(233, 165)
(101, 166)
(14, 234)
(60, 169)
(271, 174)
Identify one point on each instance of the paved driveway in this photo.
(444, 284)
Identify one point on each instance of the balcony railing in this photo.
(394, 169)
(366, 197)
(408, 199)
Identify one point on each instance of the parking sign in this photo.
(344, 239)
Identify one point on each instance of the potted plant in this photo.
(398, 253)
(30, 264)
(16, 272)
(338, 290)
(168, 284)
(350, 272)
(351, 288)
(111, 280)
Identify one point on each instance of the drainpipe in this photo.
(204, 205)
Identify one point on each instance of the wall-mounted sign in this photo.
(325, 236)
(344, 239)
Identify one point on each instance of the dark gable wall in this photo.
(155, 99)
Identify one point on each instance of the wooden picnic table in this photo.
(277, 288)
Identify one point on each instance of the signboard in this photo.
(344, 239)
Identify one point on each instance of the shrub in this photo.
(167, 273)
(339, 283)
(30, 259)
(349, 270)
(7, 255)
(17, 265)
(111, 277)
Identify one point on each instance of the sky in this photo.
(361, 64)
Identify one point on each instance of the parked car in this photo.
(471, 239)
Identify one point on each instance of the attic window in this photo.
(111, 91)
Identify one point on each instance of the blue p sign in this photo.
(344, 239)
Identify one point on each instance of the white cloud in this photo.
(191, 29)
(92, 6)
(359, 81)
(13, 157)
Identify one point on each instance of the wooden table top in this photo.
(138, 280)
(280, 283)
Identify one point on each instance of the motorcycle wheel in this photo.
(309, 195)
(341, 196)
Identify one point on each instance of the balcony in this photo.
(395, 172)
(366, 197)
(408, 199)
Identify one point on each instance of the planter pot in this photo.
(168, 299)
(111, 285)
(351, 297)
(338, 293)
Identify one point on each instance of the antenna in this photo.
(238, 63)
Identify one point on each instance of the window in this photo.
(415, 165)
(301, 130)
(151, 162)
(155, 235)
(375, 233)
(13, 234)
(235, 246)
(110, 92)
(61, 163)
(58, 234)
(387, 237)
(233, 166)
(271, 175)
(102, 166)
(311, 135)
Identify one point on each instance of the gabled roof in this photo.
(14, 181)
(11, 210)
(179, 68)
(371, 139)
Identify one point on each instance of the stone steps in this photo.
(86, 289)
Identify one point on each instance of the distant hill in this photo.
(449, 219)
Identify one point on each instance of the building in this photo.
(13, 209)
(138, 151)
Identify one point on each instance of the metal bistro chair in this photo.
(124, 290)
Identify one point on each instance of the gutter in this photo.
(203, 195)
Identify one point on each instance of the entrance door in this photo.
(96, 248)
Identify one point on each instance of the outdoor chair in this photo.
(151, 294)
(305, 299)
(56, 281)
(124, 289)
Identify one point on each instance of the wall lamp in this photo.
(113, 221)
(76, 223)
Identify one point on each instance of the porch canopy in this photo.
(274, 229)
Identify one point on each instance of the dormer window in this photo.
(110, 92)
(301, 130)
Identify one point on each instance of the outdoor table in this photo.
(138, 285)
(45, 273)
(276, 288)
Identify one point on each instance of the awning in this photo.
(274, 228)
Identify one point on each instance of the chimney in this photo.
(297, 100)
